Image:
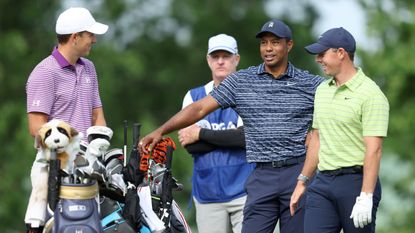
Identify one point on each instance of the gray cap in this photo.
(222, 42)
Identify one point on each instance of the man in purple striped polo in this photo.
(64, 86)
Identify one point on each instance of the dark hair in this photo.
(63, 39)
(351, 56)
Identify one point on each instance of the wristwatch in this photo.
(303, 178)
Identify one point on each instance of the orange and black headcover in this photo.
(159, 153)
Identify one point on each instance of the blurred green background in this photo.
(155, 51)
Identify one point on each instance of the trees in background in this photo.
(155, 51)
(23, 42)
(391, 63)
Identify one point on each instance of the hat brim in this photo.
(316, 48)
(98, 28)
(223, 48)
(261, 34)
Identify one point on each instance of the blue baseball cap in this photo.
(333, 38)
(277, 28)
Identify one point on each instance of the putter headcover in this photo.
(97, 131)
(159, 153)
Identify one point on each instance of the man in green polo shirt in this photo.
(350, 121)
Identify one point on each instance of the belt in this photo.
(281, 163)
(344, 171)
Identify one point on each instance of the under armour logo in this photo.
(271, 24)
(87, 80)
(36, 103)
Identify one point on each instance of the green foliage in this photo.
(391, 66)
(153, 53)
(24, 33)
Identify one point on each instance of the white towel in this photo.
(36, 209)
(154, 223)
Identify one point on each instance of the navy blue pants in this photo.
(329, 203)
(269, 192)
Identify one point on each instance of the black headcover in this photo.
(131, 172)
(133, 177)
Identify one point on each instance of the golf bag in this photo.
(105, 196)
(76, 210)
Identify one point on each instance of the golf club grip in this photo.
(125, 131)
(125, 143)
(136, 133)
(169, 157)
(54, 181)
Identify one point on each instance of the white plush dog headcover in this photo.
(59, 136)
(54, 135)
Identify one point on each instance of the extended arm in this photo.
(362, 209)
(310, 166)
(184, 118)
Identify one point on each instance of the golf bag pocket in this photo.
(77, 210)
(119, 227)
(112, 220)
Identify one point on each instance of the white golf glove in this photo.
(362, 210)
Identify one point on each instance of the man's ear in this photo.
(237, 59)
(342, 53)
(290, 44)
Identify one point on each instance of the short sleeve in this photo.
(375, 115)
(40, 89)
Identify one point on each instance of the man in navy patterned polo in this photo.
(275, 101)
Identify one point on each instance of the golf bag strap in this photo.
(113, 217)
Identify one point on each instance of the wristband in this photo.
(303, 178)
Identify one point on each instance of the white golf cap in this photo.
(222, 42)
(78, 19)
